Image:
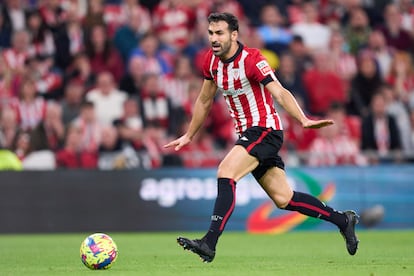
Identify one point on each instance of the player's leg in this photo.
(234, 166)
(274, 182)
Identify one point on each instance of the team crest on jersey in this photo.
(236, 73)
(264, 67)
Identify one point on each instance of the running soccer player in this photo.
(249, 85)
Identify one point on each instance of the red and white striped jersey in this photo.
(242, 79)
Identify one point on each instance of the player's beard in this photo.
(225, 49)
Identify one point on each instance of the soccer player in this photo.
(248, 83)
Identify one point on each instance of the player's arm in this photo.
(201, 109)
(289, 103)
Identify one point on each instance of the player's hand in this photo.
(317, 123)
(178, 143)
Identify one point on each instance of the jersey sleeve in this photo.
(259, 69)
(206, 66)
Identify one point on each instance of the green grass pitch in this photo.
(295, 253)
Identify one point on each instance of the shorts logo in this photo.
(236, 73)
(264, 67)
(244, 138)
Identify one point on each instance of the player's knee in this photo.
(224, 171)
(281, 200)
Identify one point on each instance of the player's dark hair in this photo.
(229, 18)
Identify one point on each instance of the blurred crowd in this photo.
(106, 83)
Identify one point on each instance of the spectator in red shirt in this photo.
(333, 148)
(173, 22)
(102, 54)
(393, 31)
(72, 156)
(323, 85)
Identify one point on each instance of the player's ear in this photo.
(234, 35)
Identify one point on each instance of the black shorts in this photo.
(264, 144)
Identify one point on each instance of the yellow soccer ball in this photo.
(98, 251)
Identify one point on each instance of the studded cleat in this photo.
(199, 247)
(349, 232)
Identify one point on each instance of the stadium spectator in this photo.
(297, 138)
(382, 52)
(291, 79)
(5, 31)
(406, 10)
(131, 130)
(29, 107)
(315, 35)
(72, 101)
(113, 154)
(16, 56)
(41, 42)
(132, 80)
(219, 125)
(95, 15)
(155, 104)
(323, 84)
(6, 81)
(68, 34)
(331, 147)
(344, 63)
(89, 127)
(373, 10)
(14, 15)
(80, 71)
(397, 108)
(252, 9)
(72, 156)
(49, 133)
(381, 138)
(120, 14)
(53, 14)
(202, 152)
(103, 56)
(130, 125)
(46, 76)
(272, 31)
(21, 144)
(401, 75)
(393, 31)
(357, 30)
(173, 22)
(107, 99)
(348, 125)
(301, 55)
(176, 83)
(9, 127)
(155, 60)
(295, 12)
(128, 35)
(364, 84)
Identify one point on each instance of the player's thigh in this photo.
(236, 164)
(274, 182)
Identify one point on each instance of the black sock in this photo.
(223, 208)
(313, 207)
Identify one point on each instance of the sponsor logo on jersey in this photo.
(264, 67)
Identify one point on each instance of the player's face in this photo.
(221, 39)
